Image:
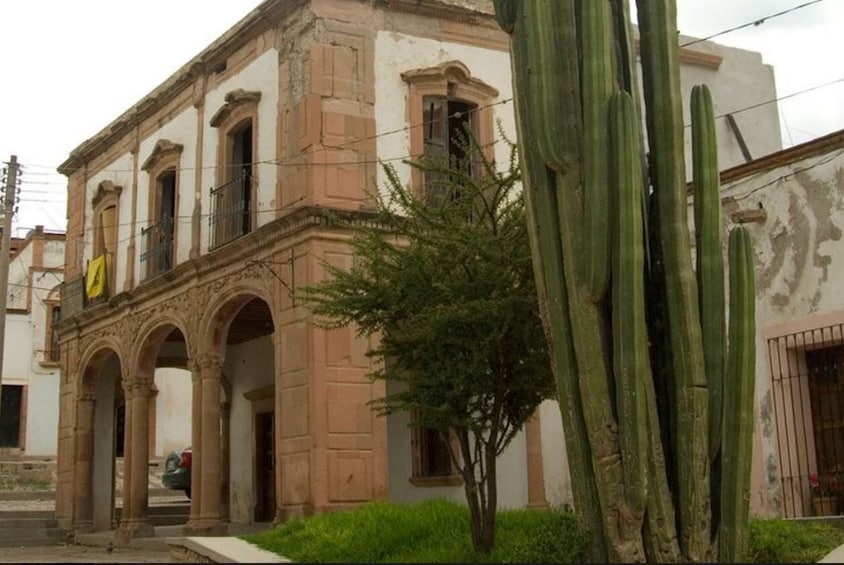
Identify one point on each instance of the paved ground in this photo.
(81, 554)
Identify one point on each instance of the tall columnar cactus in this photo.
(657, 407)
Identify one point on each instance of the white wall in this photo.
(118, 172)
(181, 130)
(249, 366)
(173, 409)
(260, 75)
(396, 53)
(25, 344)
(740, 82)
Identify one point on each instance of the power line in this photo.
(756, 22)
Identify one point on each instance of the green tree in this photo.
(449, 288)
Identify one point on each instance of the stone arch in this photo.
(92, 360)
(152, 334)
(215, 326)
(238, 334)
(99, 393)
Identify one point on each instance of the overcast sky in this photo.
(72, 66)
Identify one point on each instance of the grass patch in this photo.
(434, 531)
(437, 531)
(792, 541)
(14, 483)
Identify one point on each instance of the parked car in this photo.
(177, 469)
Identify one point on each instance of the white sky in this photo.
(73, 66)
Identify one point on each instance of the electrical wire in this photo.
(756, 22)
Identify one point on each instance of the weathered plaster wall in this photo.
(799, 271)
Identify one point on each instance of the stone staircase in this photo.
(27, 500)
(29, 528)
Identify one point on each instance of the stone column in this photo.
(83, 464)
(136, 497)
(196, 441)
(210, 455)
(535, 474)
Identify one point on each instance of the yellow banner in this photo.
(95, 283)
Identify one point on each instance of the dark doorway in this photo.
(265, 467)
(10, 416)
(119, 427)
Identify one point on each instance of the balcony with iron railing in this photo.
(157, 249)
(230, 215)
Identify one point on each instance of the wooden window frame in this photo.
(420, 474)
(239, 108)
(453, 81)
(166, 158)
(107, 196)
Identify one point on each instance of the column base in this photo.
(132, 529)
(207, 527)
(83, 527)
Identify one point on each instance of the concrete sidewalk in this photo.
(834, 556)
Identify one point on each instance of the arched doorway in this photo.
(99, 441)
(244, 335)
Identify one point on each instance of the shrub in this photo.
(792, 541)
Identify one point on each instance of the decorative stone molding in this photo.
(105, 190)
(164, 149)
(234, 100)
(455, 76)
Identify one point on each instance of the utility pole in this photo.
(9, 194)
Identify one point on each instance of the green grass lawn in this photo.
(437, 531)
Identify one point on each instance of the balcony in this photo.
(157, 249)
(230, 218)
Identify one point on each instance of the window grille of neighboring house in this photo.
(807, 385)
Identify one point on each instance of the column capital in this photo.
(138, 386)
(205, 366)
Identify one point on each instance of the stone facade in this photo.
(284, 117)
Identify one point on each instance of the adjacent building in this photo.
(792, 202)
(196, 215)
(30, 411)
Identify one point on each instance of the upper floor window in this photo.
(448, 103)
(105, 206)
(447, 125)
(159, 237)
(232, 211)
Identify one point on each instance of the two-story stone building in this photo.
(207, 201)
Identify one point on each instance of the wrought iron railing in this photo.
(807, 385)
(230, 216)
(157, 249)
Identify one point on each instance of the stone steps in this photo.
(29, 529)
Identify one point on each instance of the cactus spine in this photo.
(576, 97)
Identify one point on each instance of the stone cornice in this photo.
(250, 247)
(267, 15)
(234, 99)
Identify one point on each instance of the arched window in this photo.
(232, 211)
(105, 204)
(448, 103)
(159, 237)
